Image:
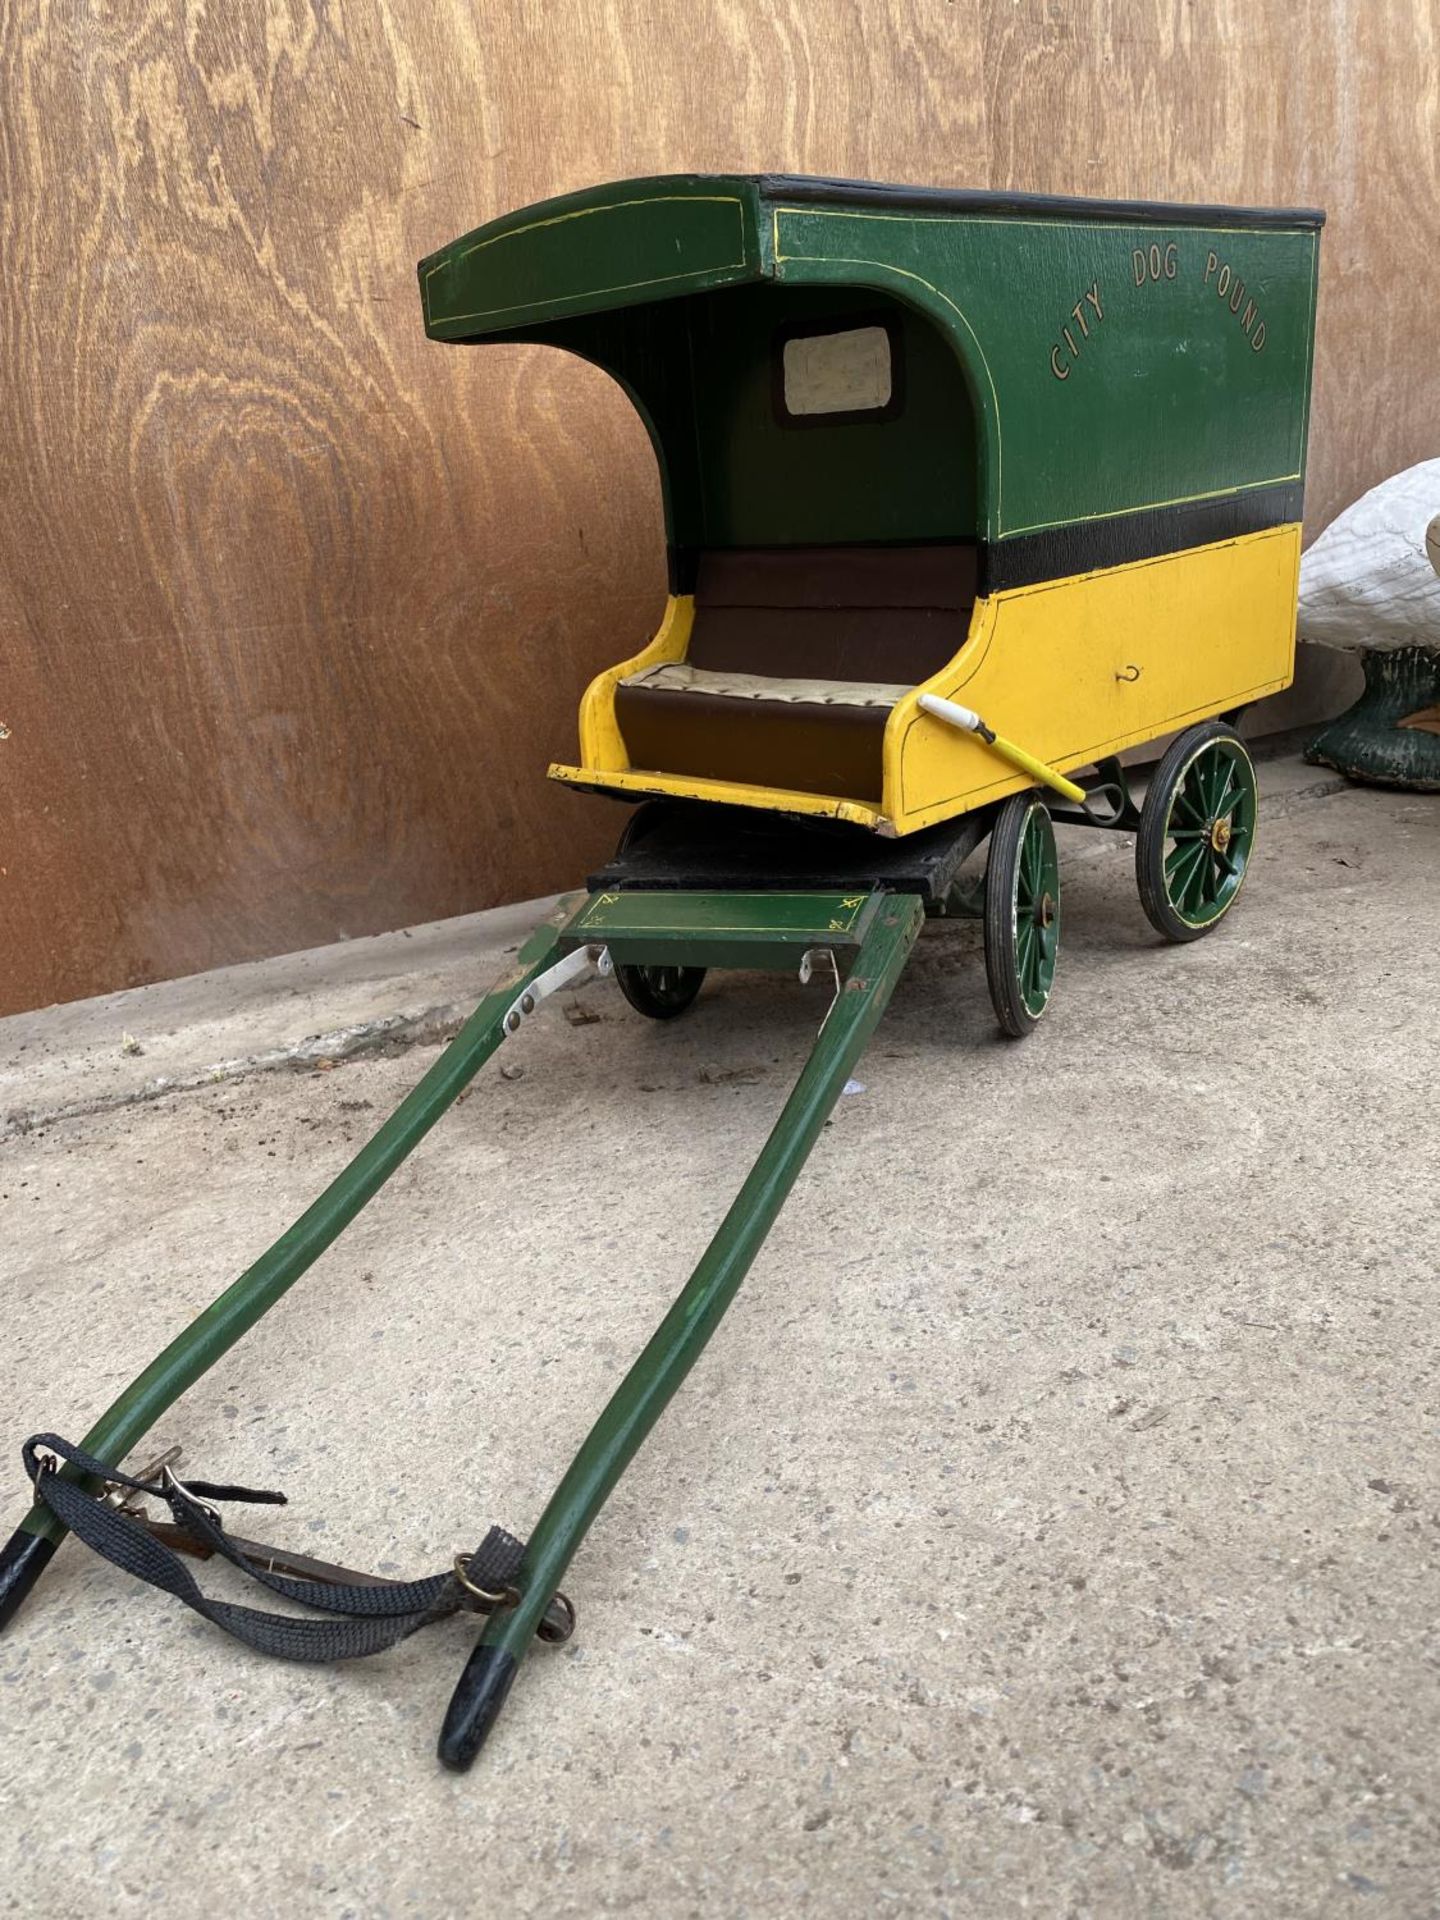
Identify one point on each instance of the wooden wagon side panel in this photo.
(1085, 666)
(1119, 369)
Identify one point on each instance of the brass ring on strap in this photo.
(557, 1623)
(488, 1597)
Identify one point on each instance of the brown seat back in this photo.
(833, 613)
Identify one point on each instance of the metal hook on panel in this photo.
(807, 972)
(564, 973)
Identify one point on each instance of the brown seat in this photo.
(796, 657)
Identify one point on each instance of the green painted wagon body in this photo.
(1177, 339)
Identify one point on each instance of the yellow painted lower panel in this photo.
(1078, 668)
(1071, 670)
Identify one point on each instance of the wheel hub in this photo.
(1220, 835)
(1045, 912)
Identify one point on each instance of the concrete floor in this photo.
(1051, 1527)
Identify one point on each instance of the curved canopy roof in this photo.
(1121, 358)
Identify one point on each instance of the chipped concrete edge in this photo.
(390, 1033)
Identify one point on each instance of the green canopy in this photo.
(1071, 383)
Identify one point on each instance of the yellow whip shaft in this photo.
(954, 715)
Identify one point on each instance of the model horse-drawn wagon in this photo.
(965, 495)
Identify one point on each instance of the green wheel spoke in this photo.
(1229, 797)
(1192, 892)
(1210, 780)
(1034, 971)
(1188, 858)
(1220, 767)
(1024, 950)
(1032, 858)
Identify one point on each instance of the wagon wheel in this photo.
(649, 815)
(1022, 913)
(1197, 829)
(660, 992)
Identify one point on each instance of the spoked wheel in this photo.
(1197, 828)
(660, 992)
(1022, 913)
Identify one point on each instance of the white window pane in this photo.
(838, 372)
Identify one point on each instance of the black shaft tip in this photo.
(474, 1705)
(23, 1559)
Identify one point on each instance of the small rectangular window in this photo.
(837, 373)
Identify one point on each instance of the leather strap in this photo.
(365, 1618)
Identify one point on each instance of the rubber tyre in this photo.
(660, 992)
(1205, 776)
(649, 815)
(1022, 914)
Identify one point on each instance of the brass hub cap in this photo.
(1045, 912)
(1220, 835)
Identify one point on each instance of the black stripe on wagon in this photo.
(802, 190)
(1084, 546)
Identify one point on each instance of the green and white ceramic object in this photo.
(1370, 585)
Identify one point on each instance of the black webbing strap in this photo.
(373, 1617)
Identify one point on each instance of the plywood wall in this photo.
(295, 607)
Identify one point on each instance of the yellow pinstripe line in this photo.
(1180, 500)
(905, 274)
(583, 213)
(1039, 526)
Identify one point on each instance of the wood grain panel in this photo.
(294, 606)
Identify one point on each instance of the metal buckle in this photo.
(128, 1500)
(170, 1482)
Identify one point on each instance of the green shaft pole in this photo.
(222, 1323)
(681, 1336)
